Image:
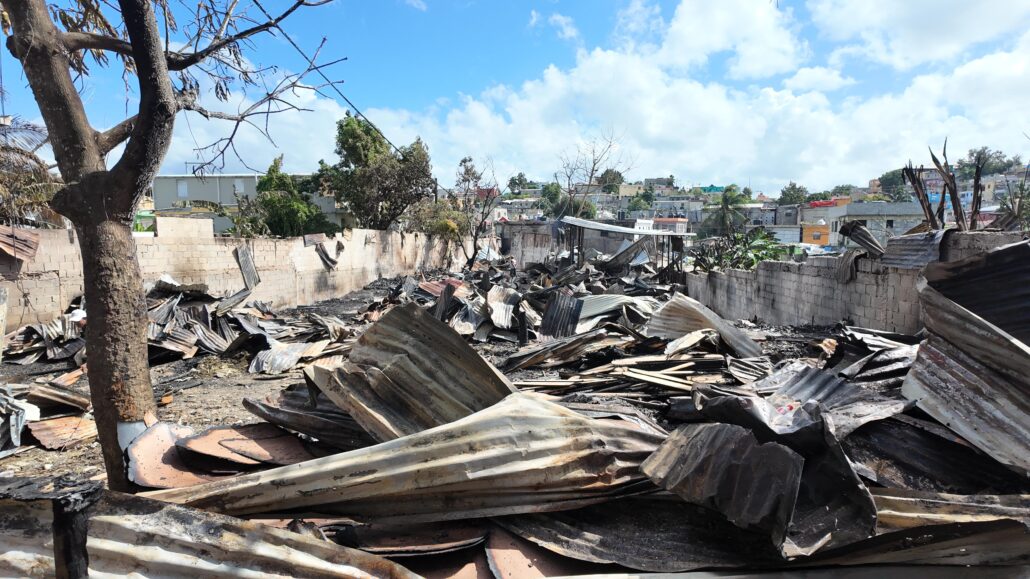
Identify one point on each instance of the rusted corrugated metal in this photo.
(905, 509)
(19, 243)
(682, 315)
(973, 373)
(65, 432)
(410, 372)
(863, 237)
(524, 454)
(154, 459)
(119, 535)
(435, 288)
(913, 251)
(648, 534)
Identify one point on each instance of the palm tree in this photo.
(728, 215)
(26, 184)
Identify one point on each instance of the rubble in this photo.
(583, 416)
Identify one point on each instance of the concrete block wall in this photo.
(41, 288)
(787, 293)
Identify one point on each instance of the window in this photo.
(182, 188)
(890, 223)
(835, 226)
(817, 235)
(237, 186)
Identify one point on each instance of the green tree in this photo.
(842, 191)
(997, 162)
(727, 216)
(610, 180)
(377, 183)
(747, 192)
(551, 193)
(648, 196)
(275, 180)
(822, 196)
(638, 203)
(518, 183)
(892, 184)
(792, 194)
(577, 207)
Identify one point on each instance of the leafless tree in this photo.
(478, 199)
(584, 165)
(56, 43)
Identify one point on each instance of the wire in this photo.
(311, 62)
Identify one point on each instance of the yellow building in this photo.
(815, 234)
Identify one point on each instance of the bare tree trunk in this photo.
(116, 345)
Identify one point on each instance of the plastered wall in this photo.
(291, 274)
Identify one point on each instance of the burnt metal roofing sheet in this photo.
(523, 454)
(913, 251)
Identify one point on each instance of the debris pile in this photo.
(633, 430)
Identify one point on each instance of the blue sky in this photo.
(819, 91)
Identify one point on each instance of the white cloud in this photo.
(564, 24)
(759, 35)
(639, 23)
(817, 78)
(417, 4)
(670, 120)
(534, 18)
(908, 33)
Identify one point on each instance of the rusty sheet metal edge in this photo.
(524, 454)
(19, 243)
(683, 314)
(120, 535)
(970, 374)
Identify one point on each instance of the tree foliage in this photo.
(519, 182)
(892, 184)
(726, 217)
(792, 194)
(26, 185)
(275, 180)
(821, 196)
(842, 191)
(737, 251)
(638, 203)
(610, 180)
(377, 183)
(997, 162)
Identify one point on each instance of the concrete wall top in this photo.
(184, 227)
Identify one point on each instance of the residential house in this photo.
(815, 212)
(199, 196)
(788, 214)
(884, 220)
(656, 182)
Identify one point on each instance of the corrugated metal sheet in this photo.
(594, 225)
(19, 243)
(283, 356)
(597, 305)
(863, 237)
(648, 534)
(524, 454)
(410, 372)
(973, 373)
(129, 536)
(316, 416)
(435, 288)
(561, 316)
(682, 315)
(502, 302)
(625, 257)
(245, 257)
(65, 432)
(905, 509)
(748, 370)
(913, 251)
(725, 468)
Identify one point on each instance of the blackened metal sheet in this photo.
(913, 251)
(748, 370)
(294, 409)
(502, 302)
(863, 237)
(882, 371)
(245, 257)
(979, 543)
(403, 540)
(561, 316)
(647, 534)
(524, 454)
(898, 454)
(904, 509)
(723, 467)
